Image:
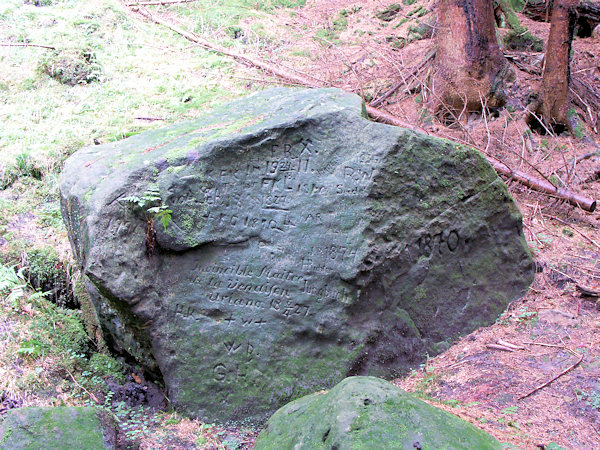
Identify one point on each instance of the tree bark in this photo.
(556, 77)
(471, 69)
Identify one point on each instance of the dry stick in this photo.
(571, 367)
(539, 185)
(375, 103)
(487, 129)
(500, 347)
(92, 396)
(536, 184)
(509, 345)
(543, 344)
(11, 44)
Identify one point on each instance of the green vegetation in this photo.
(71, 66)
(389, 13)
(55, 101)
(23, 166)
(151, 206)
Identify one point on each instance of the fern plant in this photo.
(153, 208)
(152, 205)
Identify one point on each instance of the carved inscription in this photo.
(445, 241)
(263, 194)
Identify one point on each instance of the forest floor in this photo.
(144, 75)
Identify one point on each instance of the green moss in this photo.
(362, 410)
(389, 13)
(579, 131)
(340, 24)
(89, 315)
(61, 428)
(186, 222)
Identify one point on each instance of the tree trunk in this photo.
(470, 68)
(556, 76)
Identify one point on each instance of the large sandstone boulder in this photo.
(366, 412)
(306, 244)
(58, 428)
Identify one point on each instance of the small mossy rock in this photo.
(58, 428)
(306, 244)
(364, 413)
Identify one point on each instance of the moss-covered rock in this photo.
(367, 412)
(305, 244)
(59, 428)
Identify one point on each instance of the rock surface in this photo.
(366, 412)
(306, 244)
(58, 428)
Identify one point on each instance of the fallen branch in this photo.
(543, 344)
(500, 347)
(300, 79)
(15, 44)
(536, 184)
(587, 292)
(568, 369)
(509, 345)
(382, 116)
(587, 156)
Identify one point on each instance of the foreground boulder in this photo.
(366, 412)
(305, 244)
(58, 428)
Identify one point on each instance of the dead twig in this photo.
(500, 347)
(586, 291)
(568, 369)
(300, 79)
(15, 44)
(543, 344)
(378, 101)
(92, 396)
(509, 345)
(536, 184)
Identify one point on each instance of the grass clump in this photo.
(71, 67)
(24, 166)
(40, 2)
(522, 40)
(47, 273)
